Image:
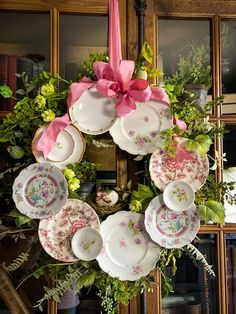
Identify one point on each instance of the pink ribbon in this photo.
(121, 86)
(180, 123)
(49, 136)
(181, 153)
(115, 55)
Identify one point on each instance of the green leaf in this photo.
(86, 280)
(5, 91)
(146, 52)
(20, 92)
(212, 211)
(138, 158)
(200, 145)
(154, 73)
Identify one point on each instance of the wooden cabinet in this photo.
(65, 32)
(219, 20)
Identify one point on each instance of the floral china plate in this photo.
(56, 232)
(87, 243)
(170, 229)
(128, 253)
(69, 147)
(178, 195)
(164, 169)
(40, 190)
(139, 132)
(92, 113)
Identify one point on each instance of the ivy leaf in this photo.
(200, 145)
(204, 142)
(5, 91)
(86, 280)
(212, 211)
(20, 218)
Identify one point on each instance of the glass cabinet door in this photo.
(80, 36)
(195, 291)
(228, 65)
(24, 47)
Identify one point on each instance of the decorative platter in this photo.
(40, 190)
(168, 228)
(128, 253)
(87, 243)
(56, 232)
(92, 113)
(164, 169)
(69, 147)
(139, 132)
(178, 195)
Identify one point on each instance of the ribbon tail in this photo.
(181, 153)
(124, 106)
(160, 94)
(140, 90)
(115, 55)
(49, 137)
(76, 90)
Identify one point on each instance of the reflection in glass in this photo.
(184, 56)
(195, 291)
(24, 47)
(229, 175)
(228, 64)
(27, 37)
(177, 36)
(79, 37)
(231, 271)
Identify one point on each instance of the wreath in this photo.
(110, 239)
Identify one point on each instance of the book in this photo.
(229, 279)
(233, 256)
(207, 283)
(11, 80)
(3, 79)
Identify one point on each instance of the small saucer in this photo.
(87, 243)
(179, 195)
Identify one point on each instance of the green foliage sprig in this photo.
(18, 262)
(193, 252)
(113, 291)
(140, 198)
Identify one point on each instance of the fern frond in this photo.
(198, 256)
(62, 287)
(18, 262)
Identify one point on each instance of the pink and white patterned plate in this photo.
(40, 191)
(127, 250)
(139, 132)
(164, 169)
(168, 228)
(56, 232)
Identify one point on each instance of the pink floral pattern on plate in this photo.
(164, 169)
(168, 228)
(56, 232)
(40, 190)
(139, 132)
(127, 252)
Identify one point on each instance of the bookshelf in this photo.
(52, 37)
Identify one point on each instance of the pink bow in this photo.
(121, 86)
